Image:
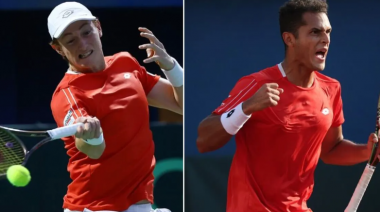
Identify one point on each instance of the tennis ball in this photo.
(18, 175)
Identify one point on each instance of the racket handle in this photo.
(62, 132)
(360, 189)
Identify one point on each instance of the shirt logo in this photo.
(325, 111)
(127, 75)
(69, 119)
(230, 113)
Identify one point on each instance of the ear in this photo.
(99, 27)
(289, 39)
(58, 49)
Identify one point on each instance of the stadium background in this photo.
(31, 70)
(226, 40)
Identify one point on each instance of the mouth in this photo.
(85, 55)
(321, 54)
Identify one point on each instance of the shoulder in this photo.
(270, 74)
(329, 82)
(121, 57)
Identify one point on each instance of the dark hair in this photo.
(291, 14)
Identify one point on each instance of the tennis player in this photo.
(284, 118)
(112, 157)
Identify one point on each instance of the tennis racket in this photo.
(13, 150)
(368, 172)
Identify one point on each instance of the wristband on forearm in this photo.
(95, 141)
(234, 119)
(175, 75)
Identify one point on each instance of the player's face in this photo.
(313, 40)
(80, 44)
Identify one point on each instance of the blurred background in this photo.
(226, 40)
(31, 70)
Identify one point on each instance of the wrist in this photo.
(248, 108)
(170, 66)
(233, 120)
(95, 141)
(174, 75)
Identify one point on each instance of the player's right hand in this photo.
(91, 128)
(267, 96)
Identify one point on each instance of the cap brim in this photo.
(62, 28)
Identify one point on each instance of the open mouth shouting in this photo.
(321, 54)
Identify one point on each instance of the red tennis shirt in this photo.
(278, 148)
(117, 96)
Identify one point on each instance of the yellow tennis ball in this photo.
(18, 175)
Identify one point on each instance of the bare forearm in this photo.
(211, 135)
(178, 95)
(92, 151)
(347, 153)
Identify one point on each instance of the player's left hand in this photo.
(156, 50)
(373, 138)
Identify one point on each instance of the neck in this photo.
(93, 69)
(297, 73)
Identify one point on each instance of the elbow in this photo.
(201, 146)
(325, 159)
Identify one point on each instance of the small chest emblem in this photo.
(325, 111)
(127, 75)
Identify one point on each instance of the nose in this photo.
(326, 38)
(82, 44)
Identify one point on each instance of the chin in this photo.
(319, 67)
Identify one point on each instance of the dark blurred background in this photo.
(31, 70)
(226, 40)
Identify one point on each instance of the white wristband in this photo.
(175, 76)
(234, 119)
(95, 141)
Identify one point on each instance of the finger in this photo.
(281, 90)
(274, 91)
(79, 133)
(155, 58)
(152, 39)
(372, 138)
(272, 85)
(91, 132)
(375, 138)
(86, 130)
(144, 29)
(273, 102)
(97, 129)
(274, 97)
(151, 46)
(80, 120)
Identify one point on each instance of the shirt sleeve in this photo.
(338, 118)
(243, 90)
(67, 106)
(148, 80)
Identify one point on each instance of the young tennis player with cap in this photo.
(285, 118)
(112, 157)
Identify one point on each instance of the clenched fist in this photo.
(267, 96)
(91, 128)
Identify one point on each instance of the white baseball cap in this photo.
(65, 14)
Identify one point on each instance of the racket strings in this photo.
(11, 151)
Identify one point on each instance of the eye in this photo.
(87, 32)
(70, 41)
